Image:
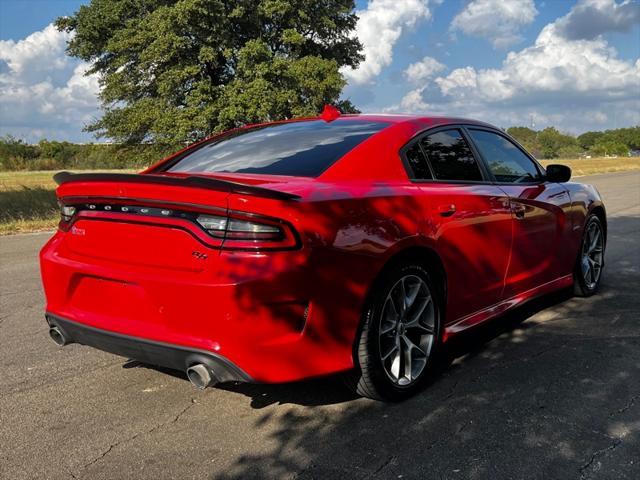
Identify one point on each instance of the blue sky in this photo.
(573, 64)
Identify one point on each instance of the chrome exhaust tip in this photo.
(201, 376)
(58, 337)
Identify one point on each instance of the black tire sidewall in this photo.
(580, 286)
(382, 383)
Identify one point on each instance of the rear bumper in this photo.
(175, 357)
(279, 317)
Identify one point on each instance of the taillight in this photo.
(214, 225)
(245, 231)
(235, 230)
(67, 212)
(66, 215)
(242, 229)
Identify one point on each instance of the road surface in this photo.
(551, 391)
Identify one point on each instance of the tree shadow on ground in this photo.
(331, 390)
(550, 390)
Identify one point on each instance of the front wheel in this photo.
(399, 336)
(588, 270)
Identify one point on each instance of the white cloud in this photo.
(552, 65)
(379, 27)
(460, 78)
(423, 70)
(40, 52)
(412, 102)
(499, 21)
(590, 18)
(576, 84)
(44, 93)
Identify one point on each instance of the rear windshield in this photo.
(305, 148)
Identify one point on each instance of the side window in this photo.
(418, 162)
(505, 160)
(450, 157)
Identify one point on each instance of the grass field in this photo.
(591, 166)
(28, 202)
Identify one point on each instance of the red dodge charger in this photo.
(344, 243)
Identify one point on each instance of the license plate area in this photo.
(129, 243)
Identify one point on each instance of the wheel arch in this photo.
(421, 255)
(599, 212)
(424, 256)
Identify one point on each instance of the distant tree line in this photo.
(551, 143)
(15, 154)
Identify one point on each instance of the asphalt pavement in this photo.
(551, 391)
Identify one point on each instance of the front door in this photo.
(539, 209)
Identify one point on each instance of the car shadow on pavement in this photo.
(332, 390)
(553, 396)
(550, 390)
(471, 343)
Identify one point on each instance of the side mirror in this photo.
(558, 173)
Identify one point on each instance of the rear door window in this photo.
(305, 148)
(450, 157)
(418, 162)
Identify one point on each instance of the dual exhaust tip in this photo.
(199, 374)
(58, 336)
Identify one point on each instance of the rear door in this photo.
(539, 210)
(468, 218)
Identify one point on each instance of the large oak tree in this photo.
(173, 71)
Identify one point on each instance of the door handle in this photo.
(518, 210)
(447, 210)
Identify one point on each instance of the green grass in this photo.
(591, 166)
(28, 202)
(28, 209)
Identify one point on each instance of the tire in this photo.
(587, 273)
(400, 375)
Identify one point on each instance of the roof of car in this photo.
(420, 118)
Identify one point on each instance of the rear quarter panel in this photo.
(348, 231)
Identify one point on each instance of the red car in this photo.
(282, 251)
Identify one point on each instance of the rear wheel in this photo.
(588, 271)
(399, 336)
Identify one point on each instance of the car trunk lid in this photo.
(150, 220)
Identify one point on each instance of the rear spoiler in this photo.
(201, 182)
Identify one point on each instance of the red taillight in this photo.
(67, 213)
(247, 231)
(233, 230)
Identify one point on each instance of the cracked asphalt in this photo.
(551, 391)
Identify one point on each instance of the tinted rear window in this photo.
(303, 149)
(418, 162)
(451, 157)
